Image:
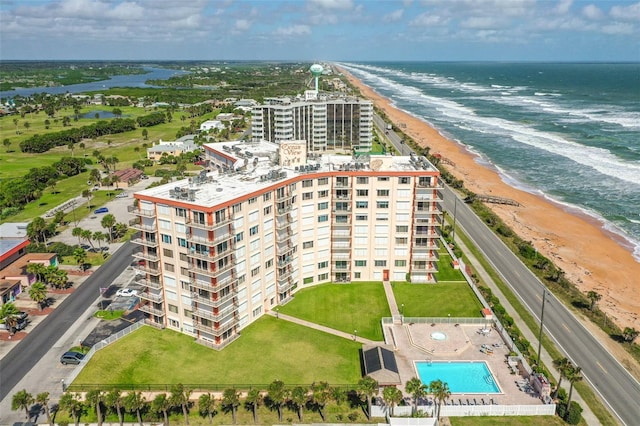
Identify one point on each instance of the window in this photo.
(182, 242)
(383, 179)
(237, 208)
(323, 218)
(184, 258)
(362, 204)
(380, 263)
(402, 241)
(307, 196)
(268, 264)
(383, 192)
(166, 238)
(172, 308)
(187, 313)
(253, 200)
(167, 253)
(403, 180)
(255, 271)
(323, 206)
(402, 228)
(323, 265)
(239, 237)
(267, 210)
(361, 263)
(266, 197)
(400, 263)
(323, 277)
(323, 194)
(307, 280)
(307, 183)
(242, 279)
(382, 204)
(253, 230)
(361, 217)
(382, 216)
(323, 181)
(307, 244)
(180, 212)
(362, 180)
(356, 275)
(174, 323)
(362, 192)
(257, 311)
(169, 267)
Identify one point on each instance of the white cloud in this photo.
(294, 30)
(592, 12)
(484, 22)
(618, 28)
(427, 20)
(394, 16)
(242, 24)
(628, 13)
(332, 4)
(563, 7)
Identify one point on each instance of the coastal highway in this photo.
(619, 390)
(21, 359)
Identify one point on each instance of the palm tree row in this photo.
(50, 275)
(570, 372)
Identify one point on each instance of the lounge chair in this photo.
(461, 403)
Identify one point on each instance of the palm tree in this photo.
(254, 398)
(114, 399)
(43, 399)
(231, 400)
(321, 395)
(38, 293)
(134, 401)
(94, 399)
(368, 387)
(180, 396)
(9, 315)
(37, 269)
(77, 232)
(594, 296)
(162, 404)
(574, 375)
(71, 403)
(629, 334)
(299, 397)
(562, 365)
(87, 194)
(441, 392)
(80, 255)
(38, 228)
(107, 222)
(392, 396)
(278, 394)
(22, 400)
(88, 235)
(207, 405)
(417, 389)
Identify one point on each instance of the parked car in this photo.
(22, 315)
(102, 210)
(126, 292)
(20, 325)
(122, 195)
(71, 358)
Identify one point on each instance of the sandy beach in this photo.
(592, 258)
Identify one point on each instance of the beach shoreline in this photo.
(592, 257)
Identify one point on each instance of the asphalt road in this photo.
(23, 357)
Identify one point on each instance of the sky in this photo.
(321, 30)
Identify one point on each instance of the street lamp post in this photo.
(355, 335)
(402, 312)
(544, 298)
(277, 313)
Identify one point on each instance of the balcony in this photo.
(428, 221)
(210, 227)
(283, 224)
(192, 238)
(207, 300)
(284, 262)
(209, 286)
(341, 234)
(213, 329)
(149, 309)
(155, 298)
(342, 184)
(148, 242)
(224, 343)
(141, 280)
(423, 269)
(284, 210)
(216, 317)
(427, 185)
(138, 225)
(142, 254)
(427, 256)
(340, 256)
(146, 269)
(141, 212)
(285, 286)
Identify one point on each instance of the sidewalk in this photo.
(322, 328)
(528, 334)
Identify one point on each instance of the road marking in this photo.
(601, 367)
(566, 327)
(539, 297)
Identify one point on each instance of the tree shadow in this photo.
(581, 304)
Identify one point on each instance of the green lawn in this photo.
(345, 307)
(437, 300)
(507, 420)
(268, 349)
(445, 268)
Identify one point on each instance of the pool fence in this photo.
(469, 410)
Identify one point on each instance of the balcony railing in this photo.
(284, 210)
(137, 224)
(210, 227)
(151, 310)
(141, 280)
(149, 242)
(156, 298)
(213, 329)
(213, 273)
(207, 300)
(141, 212)
(145, 269)
(217, 317)
(142, 254)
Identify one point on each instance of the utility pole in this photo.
(455, 207)
(544, 298)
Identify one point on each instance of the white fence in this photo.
(469, 410)
(101, 344)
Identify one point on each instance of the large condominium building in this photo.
(328, 123)
(219, 250)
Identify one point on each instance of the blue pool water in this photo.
(462, 377)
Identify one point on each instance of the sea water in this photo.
(569, 132)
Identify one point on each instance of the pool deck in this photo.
(413, 342)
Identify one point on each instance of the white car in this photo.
(122, 195)
(126, 292)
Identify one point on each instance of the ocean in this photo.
(569, 132)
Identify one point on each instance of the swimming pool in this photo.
(462, 377)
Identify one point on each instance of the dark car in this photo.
(102, 210)
(20, 325)
(71, 358)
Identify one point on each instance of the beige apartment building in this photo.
(219, 250)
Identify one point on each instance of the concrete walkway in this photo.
(322, 328)
(391, 299)
(531, 336)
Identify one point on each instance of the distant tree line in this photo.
(151, 119)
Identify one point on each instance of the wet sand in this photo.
(591, 257)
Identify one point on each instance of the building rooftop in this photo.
(259, 165)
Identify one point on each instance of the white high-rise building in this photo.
(328, 124)
(219, 250)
